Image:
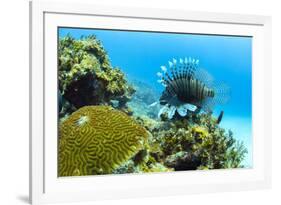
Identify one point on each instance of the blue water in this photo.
(227, 58)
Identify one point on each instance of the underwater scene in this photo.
(144, 102)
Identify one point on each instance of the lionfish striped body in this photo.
(188, 89)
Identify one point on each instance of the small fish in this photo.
(114, 103)
(153, 104)
(220, 117)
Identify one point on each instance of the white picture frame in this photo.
(46, 187)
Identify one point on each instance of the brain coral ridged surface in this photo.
(97, 140)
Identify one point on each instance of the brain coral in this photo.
(97, 140)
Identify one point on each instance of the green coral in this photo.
(97, 140)
(194, 143)
(86, 76)
(142, 162)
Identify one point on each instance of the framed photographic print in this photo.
(129, 102)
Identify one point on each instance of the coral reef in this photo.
(86, 76)
(97, 140)
(146, 164)
(144, 161)
(194, 143)
(107, 126)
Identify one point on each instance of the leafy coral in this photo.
(97, 140)
(86, 76)
(194, 143)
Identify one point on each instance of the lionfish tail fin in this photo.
(222, 93)
(208, 104)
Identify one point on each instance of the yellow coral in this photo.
(86, 76)
(153, 167)
(200, 131)
(97, 140)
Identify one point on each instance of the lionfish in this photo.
(189, 89)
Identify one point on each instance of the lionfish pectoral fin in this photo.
(163, 110)
(190, 107)
(171, 112)
(182, 111)
(197, 111)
